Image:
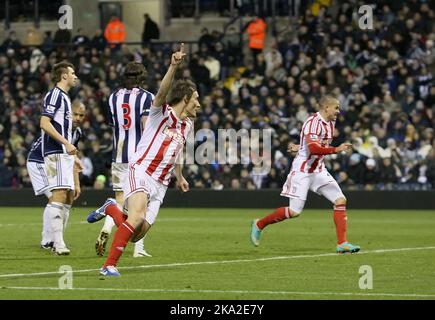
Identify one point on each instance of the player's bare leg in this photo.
(137, 205)
(340, 220)
(278, 215)
(59, 199)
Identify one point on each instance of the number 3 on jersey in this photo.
(127, 120)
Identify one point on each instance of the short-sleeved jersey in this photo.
(35, 153)
(127, 107)
(57, 106)
(162, 141)
(317, 129)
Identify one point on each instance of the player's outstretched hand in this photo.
(344, 147)
(183, 184)
(292, 148)
(178, 56)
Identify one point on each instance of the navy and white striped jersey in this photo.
(57, 106)
(127, 107)
(35, 153)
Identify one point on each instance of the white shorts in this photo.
(60, 171)
(298, 183)
(39, 178)
(139, 181)
(119, 174)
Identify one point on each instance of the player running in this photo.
(39, 179)
(152, 165)
(129, 109)
(58, 150)
(308, 172)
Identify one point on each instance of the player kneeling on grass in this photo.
(155, 160)
(309, 173)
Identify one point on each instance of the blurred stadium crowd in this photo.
(382, 77)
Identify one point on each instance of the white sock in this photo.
(66, 209)
(46, 227)
(56, 221)
(138, 246)
(108, 225)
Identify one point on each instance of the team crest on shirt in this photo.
(50, 109)
(68, 115)
(313, 136)
(174, 135)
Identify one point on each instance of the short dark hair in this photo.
(180, 89)
(59, 69)
(135, 75)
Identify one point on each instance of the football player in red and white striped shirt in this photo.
(308, 172)
(151, 167)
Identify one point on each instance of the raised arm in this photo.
(166, 83)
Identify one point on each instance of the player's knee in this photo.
(135, 219)
(295, 207)
(340, 201)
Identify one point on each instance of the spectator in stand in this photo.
(150, 30)
(99, 42)
(115, 33)
(11, 42)
(384, 90)
(257, 36)
(80, 38)
(206, 39)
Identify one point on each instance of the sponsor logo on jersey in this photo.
(174, 135)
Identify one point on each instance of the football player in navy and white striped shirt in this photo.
(57, 148)
(129, 108)
(39, 179)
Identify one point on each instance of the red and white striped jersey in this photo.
(317, 129)
(162, 141)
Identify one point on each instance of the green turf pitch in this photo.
(206, 254)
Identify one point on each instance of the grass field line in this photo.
(183, 264)
(256, 292)
(34, 224)
(2, 225)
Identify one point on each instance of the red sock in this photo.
(122, 235)
(340, 220)
(118, 216)
(276, 216)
